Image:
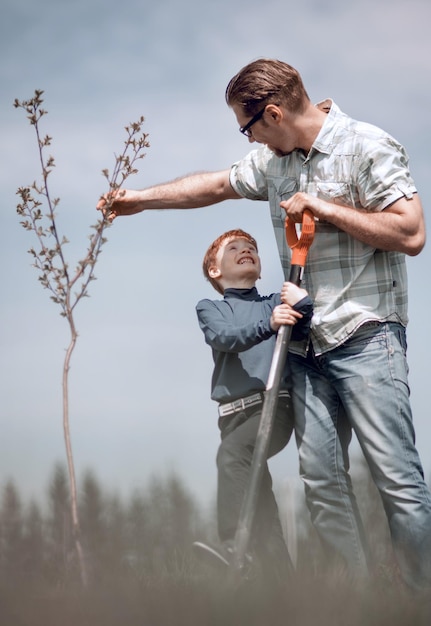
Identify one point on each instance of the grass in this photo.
(203, 598)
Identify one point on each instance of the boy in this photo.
(241, 330)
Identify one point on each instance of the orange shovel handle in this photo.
(300, 246)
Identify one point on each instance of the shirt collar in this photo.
(325, 139)
(243, 294)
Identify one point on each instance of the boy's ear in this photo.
(214, 272)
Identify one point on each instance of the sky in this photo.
(140, 375)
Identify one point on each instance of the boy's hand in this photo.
(291, 293)
(282, 315)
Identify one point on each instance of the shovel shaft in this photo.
(300, 249)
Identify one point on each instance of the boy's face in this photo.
(237, 264)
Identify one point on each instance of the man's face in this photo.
(237, 262)
(271, 129)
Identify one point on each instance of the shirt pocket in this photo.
(280, 188)
(338, 192)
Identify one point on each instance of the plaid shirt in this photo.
(350, 163)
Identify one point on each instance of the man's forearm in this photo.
(400, 227)
(396, 228)
(189, 192)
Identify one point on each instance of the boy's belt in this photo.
(244, 403)
(240, 404)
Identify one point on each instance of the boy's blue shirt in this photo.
(238, 330)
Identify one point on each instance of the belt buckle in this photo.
(237, 404)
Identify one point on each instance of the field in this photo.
(142, 572)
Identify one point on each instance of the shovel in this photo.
(300, 247)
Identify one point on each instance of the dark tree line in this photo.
(144, 536)
(147, 535)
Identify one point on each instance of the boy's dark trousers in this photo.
(234, 458)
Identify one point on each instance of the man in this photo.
(368, 217)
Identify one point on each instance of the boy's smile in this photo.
(245, 259)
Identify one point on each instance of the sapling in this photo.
(69, 287)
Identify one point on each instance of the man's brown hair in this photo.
(267, 81)
(210, 257)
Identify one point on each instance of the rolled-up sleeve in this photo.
(248, 177)
(384, 176)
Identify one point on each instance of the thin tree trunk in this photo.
(69, 454)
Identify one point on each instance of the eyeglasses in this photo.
(245, 130)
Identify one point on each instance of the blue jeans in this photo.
(366, 381)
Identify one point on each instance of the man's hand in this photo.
(282, 315)
(119, 202)
(296, 205)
